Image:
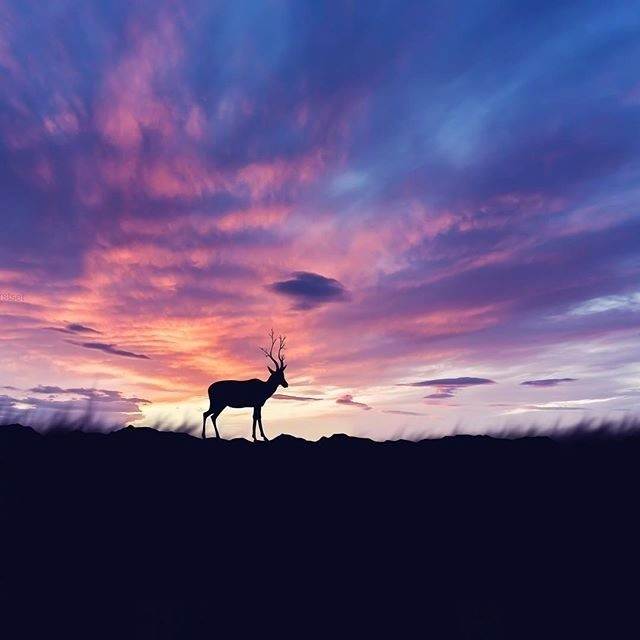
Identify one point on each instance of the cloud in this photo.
(284, 396)
(399, 412)
(347, 399)
(7, 405)
(97, 406)
(561, 405)
(101, 395)
(547, 382)
(608, 303)
(537, 407)
(80, 328)
(74, 327)
(452, 383)
(46, 389)
(310, 290)
(109, 348)
(447, 387)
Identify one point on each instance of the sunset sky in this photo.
(437, 203)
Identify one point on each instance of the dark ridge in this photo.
(142, 533)
(584, 430)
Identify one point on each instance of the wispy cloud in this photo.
(450, 383)
(74, 328)
(440, 395)
(44, 388)
(50, 402)
(561, 405)
(447, 387)
(102, 395)
(399, 412)
(284, 396)
(629, 302)
(347, 399)
(109, 348)
(547, 382)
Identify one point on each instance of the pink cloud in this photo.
(129, 104)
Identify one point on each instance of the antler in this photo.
(281, 348)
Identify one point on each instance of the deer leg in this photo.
(205, 415)
(260, 424)
(216, 412)
(255, 419)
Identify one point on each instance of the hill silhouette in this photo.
(147, 534)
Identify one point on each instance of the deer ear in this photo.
(270, 369)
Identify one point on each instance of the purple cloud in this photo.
(447, 387)
(7, 405)
(547, 382)
(399, 412)
(74, 328)
(536, 407)
(80, 328)
(348, 400)
(310, 290)
(453, 383)
(284, 396)
(98, 406)
(46, 389)
(101, 395)
(109, 348)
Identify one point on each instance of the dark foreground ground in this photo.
(143, 534)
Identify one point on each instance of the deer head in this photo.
(277, 374)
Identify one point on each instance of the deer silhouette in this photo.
(247, 393)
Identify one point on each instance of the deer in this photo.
(248, 393)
